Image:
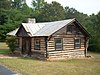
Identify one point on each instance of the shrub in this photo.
(12, 43)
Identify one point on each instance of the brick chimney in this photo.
(31, 20)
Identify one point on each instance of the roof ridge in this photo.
(49, 22)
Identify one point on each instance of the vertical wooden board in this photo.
(20, 42)
(32, 43)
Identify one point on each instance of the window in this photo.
(37, 44)
(58, 44)
(69, 28)
(77, 43)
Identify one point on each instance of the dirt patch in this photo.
(6, 56)
(10, 55)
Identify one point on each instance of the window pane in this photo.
(37, 44)
(58, 47)
(58, 40)
(58, 44)
(77, 43)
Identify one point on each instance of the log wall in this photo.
(68, 45)
(42, 50)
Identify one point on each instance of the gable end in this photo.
(22, 32)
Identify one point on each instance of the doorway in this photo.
(26, 45)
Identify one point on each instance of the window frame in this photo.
(60, 45)
(35, 39)
(75, 43)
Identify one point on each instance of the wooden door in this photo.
(26, 45)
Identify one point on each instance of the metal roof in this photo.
(52, 27)
(43, 29)
(13, 33)
(32, 28)
(46, 28)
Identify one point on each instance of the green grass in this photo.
(4, 51)
(4, 48)
(27, 66)
(3, 45)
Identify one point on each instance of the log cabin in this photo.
(53, 40)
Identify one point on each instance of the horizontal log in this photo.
(51, 49)
(69, 48)
(38, 50)
(50, 41)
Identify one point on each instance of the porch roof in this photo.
(13, 33)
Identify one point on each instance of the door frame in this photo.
(28, 52)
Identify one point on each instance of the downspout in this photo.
(46, 46)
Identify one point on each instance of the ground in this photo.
(27, 66)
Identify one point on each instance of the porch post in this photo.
(86, 45)
(46, 46)
(30, 43)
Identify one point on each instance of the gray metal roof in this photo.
(46, 28)
(43, 29)
(13, 33)
(32, 28)
(52, 27)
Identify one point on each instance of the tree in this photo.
(18, 3)
(37, 6)
(12, 43)
(52, 12)
(25, 10)
(5, 4)
(73, 13)
(3, 18)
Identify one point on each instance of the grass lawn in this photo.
(3, 45)
(4, 48)
(26, 66)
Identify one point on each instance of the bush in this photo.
(12, 43)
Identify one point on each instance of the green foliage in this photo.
(37, 4)
(53, 12)
(12, 13)
(18, 3)
(5, 4)
(12, 44)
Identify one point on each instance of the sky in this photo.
(85, 6)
